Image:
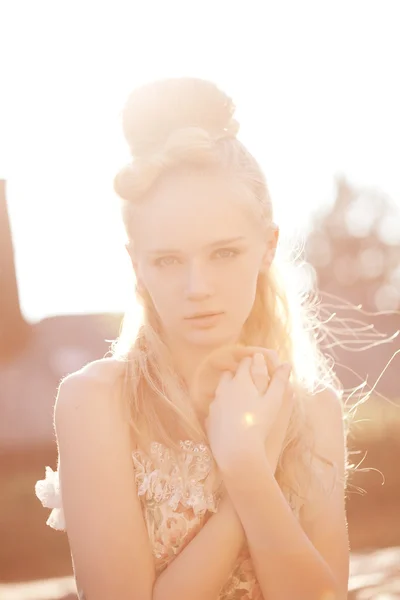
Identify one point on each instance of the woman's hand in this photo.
(276, 438)
(227, 358)
(244, 410)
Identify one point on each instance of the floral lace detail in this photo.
(242, 582)
(165, 477)
(178, 491)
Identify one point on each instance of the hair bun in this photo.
(154, 111)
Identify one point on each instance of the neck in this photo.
(187, 357)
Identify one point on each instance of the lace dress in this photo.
(178, 493)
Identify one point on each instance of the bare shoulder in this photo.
(105, 370)
(104, 373)
(326, 417)
(94, 390)
(325, 408)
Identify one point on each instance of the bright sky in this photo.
(316, 85)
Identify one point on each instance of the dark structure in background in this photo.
(35, 357)
(14, 330)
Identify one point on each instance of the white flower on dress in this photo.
(48, 492)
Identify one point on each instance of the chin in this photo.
(211, 338)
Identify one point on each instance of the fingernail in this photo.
(259, 358)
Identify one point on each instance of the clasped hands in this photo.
(243, 396)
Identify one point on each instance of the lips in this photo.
(202, 315)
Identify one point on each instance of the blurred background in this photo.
(317, 95)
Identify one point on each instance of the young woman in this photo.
(206, 458)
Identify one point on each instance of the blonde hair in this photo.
(189, 122)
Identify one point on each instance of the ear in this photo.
(271, 246)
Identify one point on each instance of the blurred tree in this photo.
(14, 330)
(354, 248)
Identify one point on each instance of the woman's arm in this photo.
(109, 544)
(204, 566)
(106, 531)
(288, 562)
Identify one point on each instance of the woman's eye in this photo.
(227, 252)
(165, 261)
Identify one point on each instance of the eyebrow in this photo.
(212, 245)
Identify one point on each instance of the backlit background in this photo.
(315, 84)
(317, 95)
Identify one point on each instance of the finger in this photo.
(289, 397)
(271, 357)
(229, 357)
(259, 373)
(258, 363)
(279, 382)
(243, 369)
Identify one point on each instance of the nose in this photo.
(198, 284)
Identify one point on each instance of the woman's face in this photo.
(198, 251)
